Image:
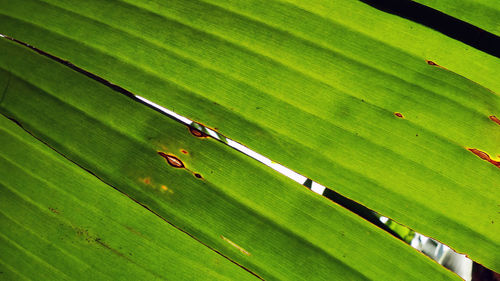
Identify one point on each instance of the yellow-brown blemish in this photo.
(398, 114)
(131, 229)
(494, 119)
(483, 155)
(235, 245)
(164, 187)
(429, 62)
(197, 133)
(184, 151)
(147, 180)
(172, 160)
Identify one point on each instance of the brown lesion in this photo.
(197, 133)
(483, 155)
(175, 162)
(494, 119)
(53, 210)
(429, 62)
(398, 114)
(133, 230)
(172, 160)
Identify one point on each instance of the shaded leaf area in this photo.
(446, 24)
(402, 231)
(481, 13)
(58, 222)
(313, 86)
(243, 209)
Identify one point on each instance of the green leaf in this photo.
(59, 222)
(481, 13)
(313, 85)
(403, 232)
(260, 219)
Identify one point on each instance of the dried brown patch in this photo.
(429, 62)
(172, 160)
(494, 119)
(483, 155)
(197, 133)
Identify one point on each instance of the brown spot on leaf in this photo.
(429, 62)
(164, 187)
(495, 119)
(105, 245)
(172, 160)
(55, 211)
(147, 180)
(483, 155)
(197, 133)
(134, 231)
(184, 151)
(198, 175)
(398, 114)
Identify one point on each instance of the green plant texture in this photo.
(389, 113)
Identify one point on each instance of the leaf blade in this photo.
(274, 226)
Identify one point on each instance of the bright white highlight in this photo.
(266, 161)
(164, 110)
(238, 146)
(437, 251)
(287, 172)
(318, 188)
(212, 133)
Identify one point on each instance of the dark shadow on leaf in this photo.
(448, 25)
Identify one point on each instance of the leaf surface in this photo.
(314, 86)
(58, 222)
(481, 13)
(244, 210)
